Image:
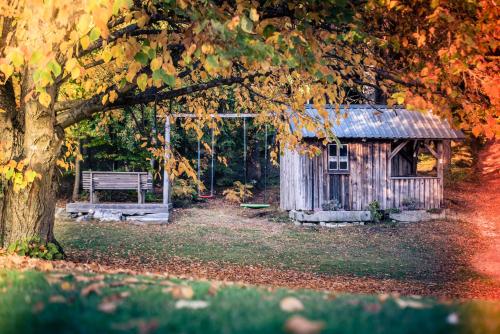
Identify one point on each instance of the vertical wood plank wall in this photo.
(305, 184)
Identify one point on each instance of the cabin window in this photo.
(338, 157)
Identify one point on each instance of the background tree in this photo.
(441, 55)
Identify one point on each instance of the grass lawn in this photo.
(426, 252)
(51, 302)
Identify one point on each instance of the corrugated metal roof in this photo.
(365, 121)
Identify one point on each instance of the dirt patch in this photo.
(478, 203)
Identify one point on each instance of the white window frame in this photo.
(337, 158)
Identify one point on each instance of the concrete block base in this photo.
(330, 216)
(413, 216)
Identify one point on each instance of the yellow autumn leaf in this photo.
(75, 73)
(20, 165)
(104, 99)
(71, 64)
(84, 23)
(7, 69)
(30, 176)
(113, 96)
(182, 4)
(85, 42)
(207, 48)
(142, 20)
(156, 63)
(254, 16)
(106, 56)
(142, 81)
(44, 99)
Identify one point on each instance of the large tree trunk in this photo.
(29, 212)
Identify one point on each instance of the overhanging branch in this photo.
(85, 109)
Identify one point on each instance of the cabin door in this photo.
(339, 190)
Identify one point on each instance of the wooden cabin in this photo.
(392, 156)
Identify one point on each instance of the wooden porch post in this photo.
(166, 178)
(91, 191)
(440, 170)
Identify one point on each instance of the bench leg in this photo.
(141, 196)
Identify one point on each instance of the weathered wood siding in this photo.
(419, 192)
(306, 184)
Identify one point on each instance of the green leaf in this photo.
(142, 58)
(151, 53)
(36, 57)
(166, 78)
(211, 63)
(246, 24)
(54, 67)
(95, 33)
(118, 4)
(142, 81)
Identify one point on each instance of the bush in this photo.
(238, 192)
(376, 214)
(184, 189)
(34, 247)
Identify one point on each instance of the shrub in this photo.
(238, 192)
(34, 247)
(184, 189)
(376, 214)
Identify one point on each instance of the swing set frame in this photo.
(244, 116)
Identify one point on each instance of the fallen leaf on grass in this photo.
(383, 297)
(45, 266)
(67, 286)
(291, 304)
(110, 303)
(410, 303)
(57, 299)
(191, 304)
(180, 292)
(301, 325)
(167, 283)
(108, 306)
(94, 287)
(212, 290)
(54, 278)
(82, 278)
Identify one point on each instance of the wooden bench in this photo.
(140, 181)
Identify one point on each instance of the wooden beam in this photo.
(233, 115)
(397, 149)
(166, 177)
(434, 153)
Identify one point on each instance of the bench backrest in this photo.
(117, 180)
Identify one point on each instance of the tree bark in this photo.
(29, 212)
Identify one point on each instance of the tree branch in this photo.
(93, 105)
